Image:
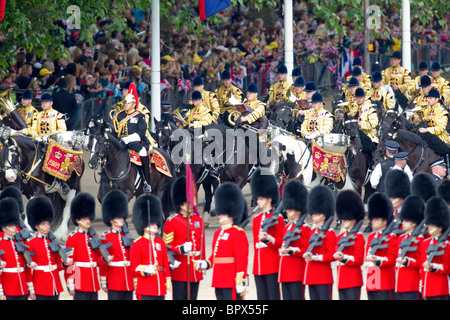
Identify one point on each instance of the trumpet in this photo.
(6, 102)
(234, 114)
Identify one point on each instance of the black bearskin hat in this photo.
(179, 192)
(82, 206)
(413, 209)
(228, 200)
(349, 205)
(13, 192)
(423, 185)
(321, 200)
(443, 190)
(145, 206)
(380, 206)
(39, 209)
(437, 213)
(264, 184)
(9, 212)
(397, 184)
(114, 205)
(295, 196)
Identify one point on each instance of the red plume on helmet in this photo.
(132, 95)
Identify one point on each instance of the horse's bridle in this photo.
(14, 150)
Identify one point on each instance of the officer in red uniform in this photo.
(115, 277)
(407, 273)
(350, 210)
(435, 272)
(266, 243)
(15, 274)
(46, 278)
(82, 278)
(149, 259)
(318, 273)
(229, 257)
(380, 271)
(184, 246)
(292, 264)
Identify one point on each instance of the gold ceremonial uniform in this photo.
(209, 100)
(291, 94)
(278, 91)
(318, 122)
(383, 95)
(364, 83)
(199, 116)
(349, 97)
(413, 89)
(27, 114)
(46, 122)
(436, 116)
(224, 93)
(443, 87)
(397, 76)
(368, 117)
(259, 110)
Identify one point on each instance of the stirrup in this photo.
(65, 189)
(147, 188)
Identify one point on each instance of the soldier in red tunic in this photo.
(435, 270)
(15, 273)
(266, 239)
(407, 273)
(115, 277)
(149, 259)
(229, 257)
(292, 264)
(82, 278)
(318, 274)
(184, 246)
(380, 271)
(350, 245)
(46, 278)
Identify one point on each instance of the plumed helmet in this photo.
(423, 185)
(437, 213)
(39, 209)
(114, 205)
(82, 206)
(9, 212)
(380, 206)
(145, 207)
(228, 199)
(413, 209)
(295, 196)
(264, 184)
(397, 184)
(13, 192)
(321, 200)
(179, 192)
(349, 205)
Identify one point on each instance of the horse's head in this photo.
(163, 133)
(10, 158)
(337, 100)
(351, 129)
(282, 115)
(98, 142)
(389, 126)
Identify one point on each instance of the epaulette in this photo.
(105, 233)
(72, 233)
(172, 216)
(138, 239)
(237, 227)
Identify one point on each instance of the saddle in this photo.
(157, 159)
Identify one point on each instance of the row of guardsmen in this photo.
(288, 252)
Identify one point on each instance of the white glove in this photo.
(42, 139)
(185, 248)
(131, 138)
(240, 289)
(150, 270)
(201, 265)
(174, 265)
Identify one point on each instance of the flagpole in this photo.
(288, 38)
(188, 233)
(156, 64)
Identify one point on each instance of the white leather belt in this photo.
(46, 268)
(86, 264)
(119, 263)
(13, 270)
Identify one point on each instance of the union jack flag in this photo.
(331, 50)
(184, 85)
(310, 45)
(332, 67)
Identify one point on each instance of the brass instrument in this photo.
(10, 116)
(118, 106)
(179, 119)
(6, 102)
(233, 113)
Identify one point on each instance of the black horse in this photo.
(282, 116)
(22, 160)
(118, 172)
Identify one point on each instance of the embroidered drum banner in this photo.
(329, 164)
(60, 162)
(157, 159)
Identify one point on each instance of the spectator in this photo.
(65, 102)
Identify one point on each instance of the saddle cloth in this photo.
(329, 164)
(60, 161)
(157, 159)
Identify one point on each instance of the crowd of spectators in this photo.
(249, 44)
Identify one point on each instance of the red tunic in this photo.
(150, 285)
(349, 274)
(46, 279)
(266, 258)
(382, 277)
(175, 235)
(292, 267)
(229, 256)
(407, 278)
(117, 273)
(15, 276)
(319, 272)
(435, 283)
(83, 274)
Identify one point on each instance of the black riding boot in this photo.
(146, 172)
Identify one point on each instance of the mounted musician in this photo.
(27, 111)
(318, 121)
(396, 76)
(130, 126)
(209, 98)
(379, 92)
(278, 91)
(358, 74)
(256, 110)
(226, 95)
(439, 83)
(199, 115)
(414, 87)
